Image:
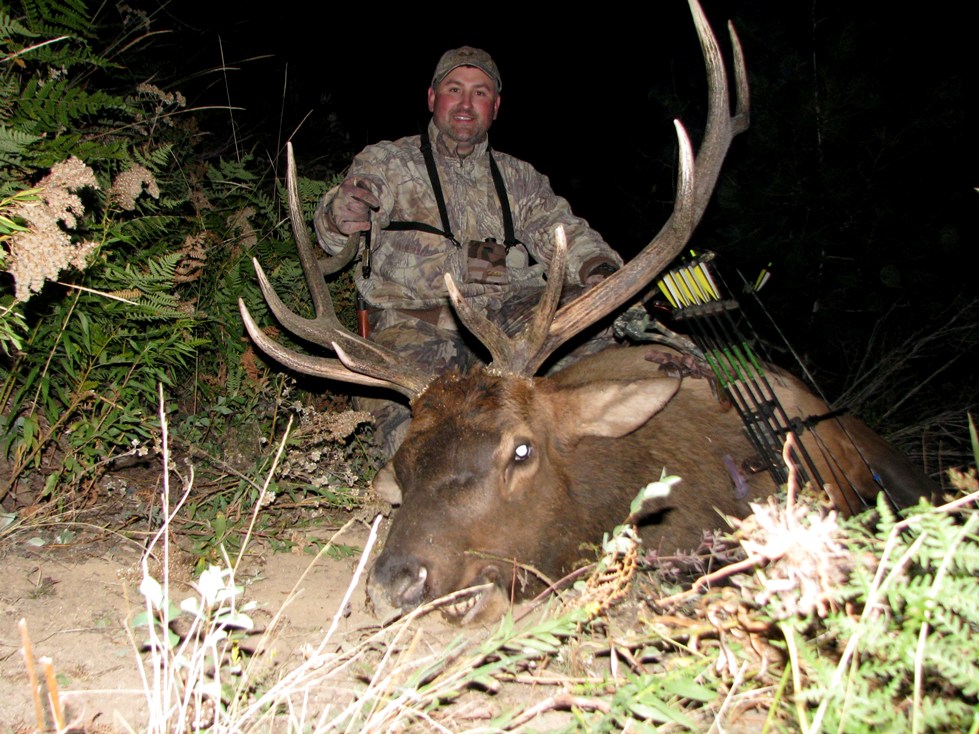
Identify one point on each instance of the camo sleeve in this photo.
(538, 211)
(408, 266)
(368, 166)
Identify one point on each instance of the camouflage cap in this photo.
(467, 56)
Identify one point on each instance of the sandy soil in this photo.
(77, 600)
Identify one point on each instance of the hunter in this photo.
(446, 202)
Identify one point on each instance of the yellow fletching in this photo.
(677, 295)
(706, 284)
(666, 292)
(689, 287)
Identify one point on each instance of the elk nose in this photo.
(402, 579)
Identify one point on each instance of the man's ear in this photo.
(431, 99)
(496, 109)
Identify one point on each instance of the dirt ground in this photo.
(78, 599)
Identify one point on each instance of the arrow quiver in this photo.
(697, 300)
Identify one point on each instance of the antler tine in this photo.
(722, 126)
(330, 265)
(534, 337)
(515, 354)
(361, 362)
(311, 330)
(489, 334)
(316, 366)
(696, 181)
(326, 327)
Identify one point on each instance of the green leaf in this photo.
(688, 688)
(661, 712)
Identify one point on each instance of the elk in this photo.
(501, 467)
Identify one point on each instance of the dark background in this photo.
(588, 97)
(855, 182)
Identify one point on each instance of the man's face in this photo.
(464, 105)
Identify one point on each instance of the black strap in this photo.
(420, 227)
(509, 234)
(509, 237)
(433, 176)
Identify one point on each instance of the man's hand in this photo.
(598, 274)
(353, 204)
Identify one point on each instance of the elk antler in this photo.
(360, 361)
(551, 327)
(364, 363)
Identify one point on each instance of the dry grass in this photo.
(627, 647)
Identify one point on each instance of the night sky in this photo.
(583, 96)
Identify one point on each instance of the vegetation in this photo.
(823, 625)
(124, 257)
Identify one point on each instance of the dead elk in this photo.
(500, 467)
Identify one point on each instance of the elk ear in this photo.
(613, 408)
(385, 485)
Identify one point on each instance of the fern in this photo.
(157, 302)
(11, 27)
(54, 105)
(149, 228)
(56, 36)
(13, 143)
(310, 193)
(917, 662)
(232, 173)
(150, 287)
(57, 18)
(91, 151)
(9, 87)
(156, 159)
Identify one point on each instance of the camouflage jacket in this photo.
(407, 266)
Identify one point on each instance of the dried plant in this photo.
(43, 247)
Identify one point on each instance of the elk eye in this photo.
(522, 452)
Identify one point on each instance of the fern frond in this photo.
(56, 148)
(13, 143)
(53, 105)
(156, 159)
(946, 714)
(961, 600)
(147, 229)
(310, 193)
(51, 17)
(232, 172)
(12, 27)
